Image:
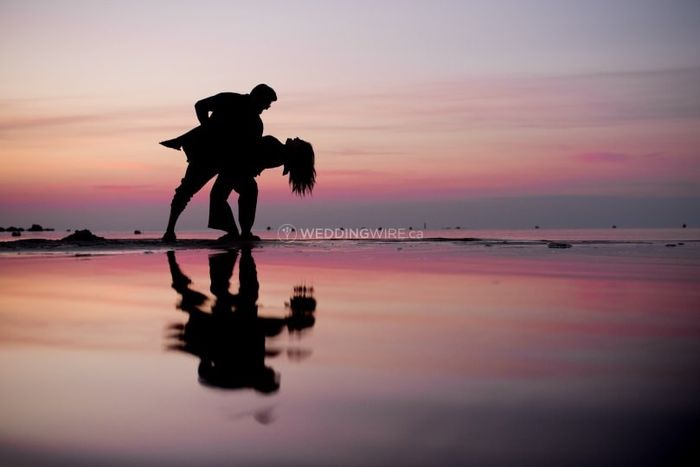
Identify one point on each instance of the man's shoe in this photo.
(229, 237)
(248, 236)
(169, 237)
(172, 144)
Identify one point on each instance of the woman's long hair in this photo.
(300, 163)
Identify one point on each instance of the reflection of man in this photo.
(230, 341)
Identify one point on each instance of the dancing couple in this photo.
(229, 145)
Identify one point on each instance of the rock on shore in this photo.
(83, 236)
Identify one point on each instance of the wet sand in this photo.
(433, 352)
(38, 245)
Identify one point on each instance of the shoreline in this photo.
(130, 244)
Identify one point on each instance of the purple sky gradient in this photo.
(431, 110)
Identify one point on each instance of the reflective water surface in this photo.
(370, 354)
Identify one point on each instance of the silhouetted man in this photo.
(230, 128)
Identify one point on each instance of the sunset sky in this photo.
(483, 113)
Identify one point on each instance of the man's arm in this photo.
(209, 104)
(203, 107)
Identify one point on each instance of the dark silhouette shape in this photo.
(230, 125)
(38, 228)
(82, 236)
(33, 228)
(559, 245)
(236, 158)
(297, 158)
(230, 340)
(302, 306)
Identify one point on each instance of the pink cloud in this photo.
(603, 157)
(124, 188)
(505, 103)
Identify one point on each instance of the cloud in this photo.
(359, 151)
(357, 173)
(470, 103)
(602, 157)
(106, 118)
(24, 123)
(123, 188)
(504, 103)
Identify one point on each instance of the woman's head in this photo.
(300, 165)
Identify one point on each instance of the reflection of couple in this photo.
(230, 339)
(229, 143)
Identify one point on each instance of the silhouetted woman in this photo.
(297, 158)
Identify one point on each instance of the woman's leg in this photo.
(247, 190)
(220, 214)
(196, 176)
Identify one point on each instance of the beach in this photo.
(440, 351)
(350, 234)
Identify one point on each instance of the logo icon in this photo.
(286, 233)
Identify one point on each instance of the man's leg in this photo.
(196, 176)
(220, 214)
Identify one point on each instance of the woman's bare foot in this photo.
(169, 237)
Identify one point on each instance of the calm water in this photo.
(372, 354)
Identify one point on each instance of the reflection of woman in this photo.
(230, 340)
(295, 155)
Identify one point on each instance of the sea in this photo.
(498, 352)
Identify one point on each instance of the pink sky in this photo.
(90, 89)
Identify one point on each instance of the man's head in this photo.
(262, 96)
